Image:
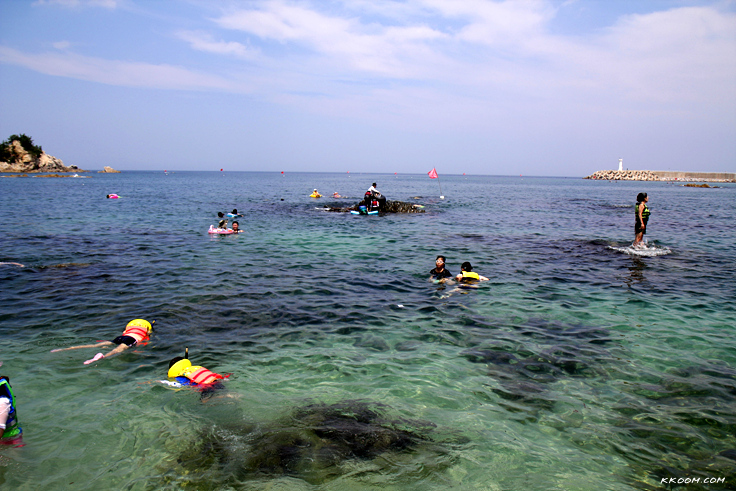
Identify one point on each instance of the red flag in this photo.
(433, 174)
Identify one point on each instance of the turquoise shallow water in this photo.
(576, 367)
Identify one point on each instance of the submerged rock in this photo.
(315, 443)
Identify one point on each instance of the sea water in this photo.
(577, 366)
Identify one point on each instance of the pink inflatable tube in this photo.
(219, 231)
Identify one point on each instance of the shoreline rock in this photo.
(25, 162)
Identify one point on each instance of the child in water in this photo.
(467, 275)
(137, 330)
(207, 381)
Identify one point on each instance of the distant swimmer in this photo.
(315, 194)
(440, 274)
(112, 196)
(137, 331)
(236, 228)
(336, 195)
(642, 217)
(467, 274)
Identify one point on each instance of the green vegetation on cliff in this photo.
(6, 150)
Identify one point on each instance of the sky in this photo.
(521, 87)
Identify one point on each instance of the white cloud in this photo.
(204, 42)
(348, 42)
(477, 54)
(108, 4)
(114, 72)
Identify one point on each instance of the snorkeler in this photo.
(137, 331)
(207, 381)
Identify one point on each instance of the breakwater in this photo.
(647, 175)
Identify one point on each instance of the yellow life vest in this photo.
(138, 329)
(198, 375)
(470, 275)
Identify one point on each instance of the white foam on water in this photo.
(644, 250)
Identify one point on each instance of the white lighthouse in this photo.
(620, 164)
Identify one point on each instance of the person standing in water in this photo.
(642, 217)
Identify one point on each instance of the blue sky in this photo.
(532, 87)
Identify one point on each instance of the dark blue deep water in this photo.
(577, 366)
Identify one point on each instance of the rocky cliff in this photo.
(23, 161)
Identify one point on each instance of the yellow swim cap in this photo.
(140, 323)
(179, 367)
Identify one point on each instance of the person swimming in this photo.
(205, 380)
(137, 331)
(468, 276)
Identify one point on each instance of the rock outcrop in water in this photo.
(20, 155)
(108, 170)
(391, 207)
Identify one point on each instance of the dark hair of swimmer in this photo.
(466, 267)
(374, 184)
(443, 258)
(220, 214)
(235, 211)
(640, 197)
(175, 361)
(234, 222)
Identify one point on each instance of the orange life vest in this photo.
(200, 375)
(137, 332)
